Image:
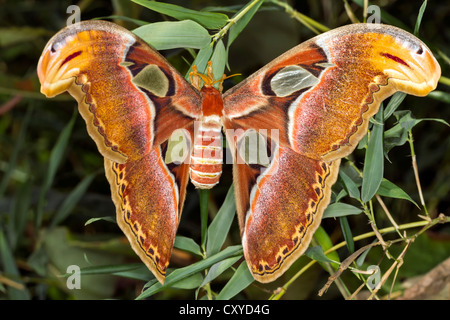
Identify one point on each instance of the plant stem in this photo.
(222, 32)
(311, 24)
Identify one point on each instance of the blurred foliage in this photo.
(47, 194)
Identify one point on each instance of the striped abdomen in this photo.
(207, 155)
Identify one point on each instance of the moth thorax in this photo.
(207, 155)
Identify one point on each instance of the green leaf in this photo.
(241, 279)
(440, 95)
(20, 213)
(17, 150)
(10, 269)
(339, 209)
(187, 244)
(182, 273)
(388, 189)
(398, 134)
(136, 271)
(56, 156)
(11, 36)
(347, 232)
(240, 24)
(324, 241)
(219, 227)
(362, 257)
(109, 269)
(204, 199)
(219, 59)
(174, 34)
(395, 101)
(203, 57)
(349, 185)
(374, 160)
(106, 218)
(209, 20)
(316, 253)
(71, 200)
(419, 18)
(191, 282)
(218, 268)
(406, 119)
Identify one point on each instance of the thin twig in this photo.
(397, 264)
(344, 265)
(222, 32)
(416, 171)
(388, 214)
(311, 24)
(423, 223)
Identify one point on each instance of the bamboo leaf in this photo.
(132, 271)
(17, 149)
(396, 99)
(398, 134)
(185, 272)
(440, 95)
(219, 227)
(201, 60)
(388, 189)
(107, 218)
(240, 24)
(10, 268)
(419, 18)
(219, 59)
(20, 213)
(191, 282)
(374, 160)
(325, 243)
(174, 34)
(339, 209)
(347, 232)
(72, 199)
(316, 253)
(349, 185)
(218, 268)
(56, 156)
(204, 199)
(241, 279)
(187, 244)
(209, 20)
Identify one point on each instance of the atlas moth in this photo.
(311, 106)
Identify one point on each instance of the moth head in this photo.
(208, 79)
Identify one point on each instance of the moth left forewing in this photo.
(129, 95)
(132, 100)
